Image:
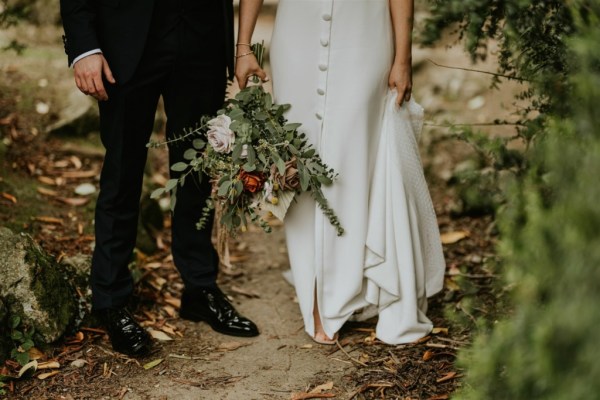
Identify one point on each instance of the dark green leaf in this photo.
(15, 320)
(22, 358)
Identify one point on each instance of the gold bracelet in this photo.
(243, 44)
(244, 54)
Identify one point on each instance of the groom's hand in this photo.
(88, 76)
(247, 67)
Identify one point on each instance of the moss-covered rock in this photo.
(35, 287)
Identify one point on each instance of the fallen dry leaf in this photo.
(304, 396)
(8, 197)
(35, 353)
(422, 340)
(323, 387)
(159, 335)
(153, 364)
(49, 220)
(231, 346)
(28, 368)
(79, 174)
(437, 331)
(76, 162)
(174, 302)
(47, 180)
(47, 192)
(244, 292)
(447, 377)
(428, 355)
(450, 284)
(49, 365)
(170, 310)
(167, 329)
(454, 237)
(48, 375)
(74, 201)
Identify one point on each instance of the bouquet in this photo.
(256, 160)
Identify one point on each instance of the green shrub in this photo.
(548, 349)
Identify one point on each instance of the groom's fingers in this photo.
(107, 72)
(100, 91)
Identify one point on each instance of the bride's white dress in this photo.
(330, 61)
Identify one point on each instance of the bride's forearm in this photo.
(249, 10)
(402, 12)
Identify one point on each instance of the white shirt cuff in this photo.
(87, 53)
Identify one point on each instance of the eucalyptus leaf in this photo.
(280, 166)
(324, 180)
(237, 151)
(179, 167)
(224, 188)
(171, 183)
(198, 144)
(190, 154)
(249, 167)
(251, 154)
(291, 127)
(268, 101)
(309, 153)
(157, 193)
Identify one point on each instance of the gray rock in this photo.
(35, 287)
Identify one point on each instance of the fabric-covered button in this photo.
(323, 67)
(324, 42)
(326, 17)
(320, 91)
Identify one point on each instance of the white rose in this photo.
(220, 137)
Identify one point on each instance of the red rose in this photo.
(253, 182)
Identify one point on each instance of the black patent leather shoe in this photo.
(211, 306)
(126, 335)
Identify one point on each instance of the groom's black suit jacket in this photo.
(120, 29)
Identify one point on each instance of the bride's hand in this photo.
(247, 67)
(401, 79)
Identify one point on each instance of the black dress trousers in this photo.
(184, 62)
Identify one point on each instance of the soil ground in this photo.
(37, 179)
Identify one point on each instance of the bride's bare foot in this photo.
(320, 336)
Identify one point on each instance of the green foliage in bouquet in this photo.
(256, 160)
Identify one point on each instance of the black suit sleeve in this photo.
(78, 18)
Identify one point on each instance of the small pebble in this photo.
(80, 363)
(85, 189)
